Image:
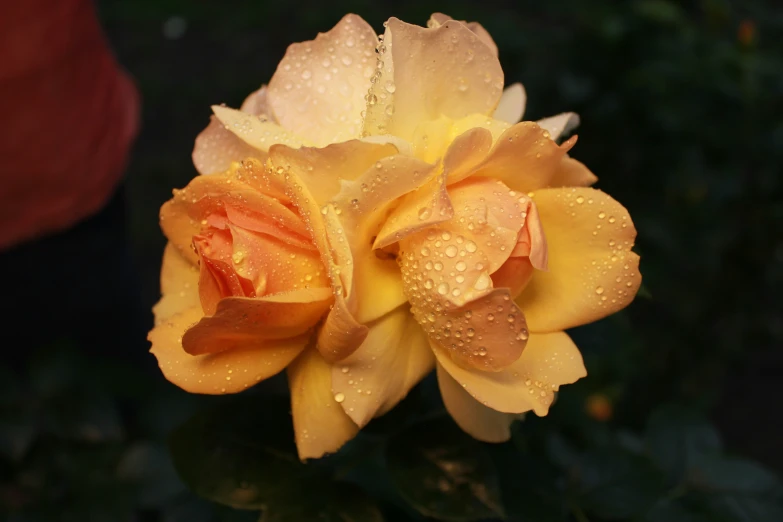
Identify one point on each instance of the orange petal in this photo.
(512, 104)
(592, 271)
(216, 148)
(241, 322)
(515, 274)
(549, 361)
(341, 334)
(226, 372)
(256, 131)
(320, 424)
(178, 285)
(393, 358)
(428, 73)
(477, 420)
(438, 19)
(318, 90)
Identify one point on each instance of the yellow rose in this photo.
(450, 236)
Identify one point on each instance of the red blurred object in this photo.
(69, 116)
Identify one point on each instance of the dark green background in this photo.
(682, 121)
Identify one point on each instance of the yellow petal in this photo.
(428, 73)
(524, 158)
(178, 285)
(226, 372)
(216, 148)
(512, 104)
(320, 424)
(478, 421)
(256, 131)
(572, 173)
(318, 90)
(438, 19)
(365, 204)
(393, 358)
(548, 362)
(592, 271)
(559, 125)
(242, 322)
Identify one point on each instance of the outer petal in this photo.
(524, 158)
(226, 372)
(572, 173)
(560, 125)
(319, 88)
(479, 421)
(512, 104)
(256, 131)
(393, 358)
(592, 271)
(549, 361)
(241, 322)
(320, 424)
(427, 73)
(257, 103)
(438, 19)
(216, 148)
(178, 285)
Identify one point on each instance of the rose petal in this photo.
(560, 125)
(341, 334)
(216, 148)
(256, 131)
(548, 361)
(318, 90)
(477, 420)
(320, 424)
(393, 358)
(241, 323)
(466, 77)
(256, 103)
(365, 204)
(512, 104)
(524, 158)
(226, 372)
(178, 285)
(438, 19)
(572, 173)
(515, 274)
(592, 271)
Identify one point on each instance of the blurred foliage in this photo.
(682, 120)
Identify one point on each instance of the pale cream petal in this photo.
(548, 362)
(256, 103)
(229, 371)
(478, 421)
(320, 424)
(394, 357)
(178, 285)
(438, 19)
(256, 131)
(319, 88)
(512, 104)
(592, 271)
(428, 73)
(216, 148)
(560, 125)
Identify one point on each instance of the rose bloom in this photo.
(377, 212)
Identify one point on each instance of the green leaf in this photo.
(615, 484)
(678, 438)
(327, 503)
(231, 457)
(444, 473)
(738, 490)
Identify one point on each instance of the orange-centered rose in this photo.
(378, 212)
